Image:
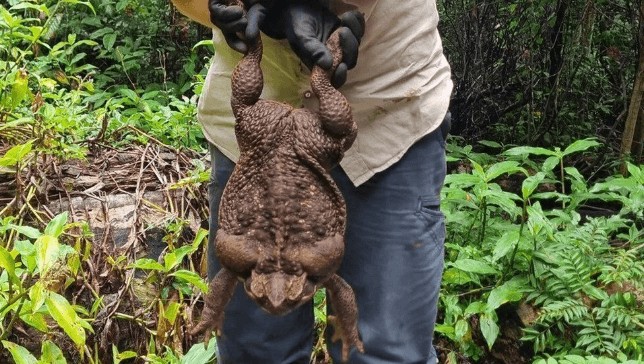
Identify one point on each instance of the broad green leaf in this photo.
(47, 252)
(455, 276)
(474, 266)
(129, 94)
(170, 261)
(27, 253)
(200, 355)
(57, 225)
(77, 58)
(109, 40)
(461, 328)
(550, 163)
(477, 169)
(573, 359)
(122, 4)
(73, 261)
(19, 354)
(15, 155)
(51, 354)
(475, 308)
(101, 32)
(28, 231)
(537, 219)
(529, 150)
(574, 173)
(636, 172)
(490, 143)
(10, 20)
(8, 263)
(510, 291)
(462, 179)
(557, 196)
(119, 357)
(26, 5)
(19, 89)
(175, 258)
(170, 312)
(147, 264)
(594, 292)
(580, 145)
(506, 167)
(505, 244)
(86, 3)
(615, 184)
(447, 330)
(37, 295)
(35, 320)
(530, 184)
(489, 329)
(63, 312)
(200, 238)
(578, 182)
(48, 83)
(192, 278)
(24, 248)
(505, 200)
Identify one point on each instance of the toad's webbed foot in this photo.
(220, 291)
(345, 321)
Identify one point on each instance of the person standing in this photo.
(399, 90)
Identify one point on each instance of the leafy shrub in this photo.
(48, 91)
(580, 275)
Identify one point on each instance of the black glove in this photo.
(235, 23)
(307, 25)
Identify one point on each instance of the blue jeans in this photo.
(393, 260)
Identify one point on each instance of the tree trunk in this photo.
(638, 141)
(632, 145)
(556, 58)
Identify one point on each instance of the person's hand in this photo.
(307, 29)
(239, 26)
(307, 26)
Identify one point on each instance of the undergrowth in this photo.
(569, 274)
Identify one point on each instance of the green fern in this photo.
(581, 286)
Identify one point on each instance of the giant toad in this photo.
(282, 218)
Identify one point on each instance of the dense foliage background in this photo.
(545, 213)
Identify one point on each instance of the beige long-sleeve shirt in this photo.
(399, 91)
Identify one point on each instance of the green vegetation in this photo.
(545, 243)
(571, 280)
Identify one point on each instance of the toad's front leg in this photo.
(345, 321)
(220, 291)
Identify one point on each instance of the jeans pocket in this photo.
(428, 211)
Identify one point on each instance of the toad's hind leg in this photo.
(345, 321)
(335, 111)
(220, 291)
(247, 80)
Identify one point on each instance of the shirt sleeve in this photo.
(196, 10)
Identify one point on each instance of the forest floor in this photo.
(136, 201)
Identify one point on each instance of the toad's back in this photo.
(280, 183)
